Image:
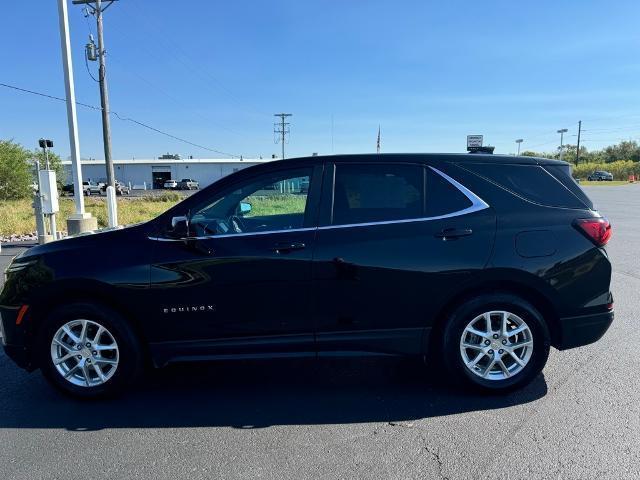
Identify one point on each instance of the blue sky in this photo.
(428, 72)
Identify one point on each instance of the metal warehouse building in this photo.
(152, 173)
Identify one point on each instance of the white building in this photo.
(154, 172)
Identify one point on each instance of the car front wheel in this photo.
(88, 351)
(497, 342)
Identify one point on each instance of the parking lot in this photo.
(348, 418)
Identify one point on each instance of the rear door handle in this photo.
(453, 233)
(285, 247)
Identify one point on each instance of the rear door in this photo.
(394, 239)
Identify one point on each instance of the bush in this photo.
(620, 169)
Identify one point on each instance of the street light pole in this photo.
(562, 131)
(519, 141)
(80, 221)
(72, 118)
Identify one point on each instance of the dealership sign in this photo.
(474, 141)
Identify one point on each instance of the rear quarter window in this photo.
(530, 182)
(563, 174)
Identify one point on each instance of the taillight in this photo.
(598, 230)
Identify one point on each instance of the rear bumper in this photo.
(583, 330)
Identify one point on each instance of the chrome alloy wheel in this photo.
(496, 345)
(85, 353)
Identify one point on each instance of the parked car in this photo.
(121, 188)
(90, 188)
(188, 184)
(481, 263)
(67, 189)
(171, 184)
(600, 176)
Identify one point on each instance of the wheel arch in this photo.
(79, 291)
(513, 284)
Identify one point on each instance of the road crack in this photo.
(435, 455)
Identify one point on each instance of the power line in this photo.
(186, 60)
(173, 99)
(123, 118)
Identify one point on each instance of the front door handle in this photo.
(453, 233)
(285, 247)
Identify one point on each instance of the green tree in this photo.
(16, 171)
(625, 150)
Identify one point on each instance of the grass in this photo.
(275, 204)
(587, 183)
(16, 216)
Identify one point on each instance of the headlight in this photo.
(17, 266)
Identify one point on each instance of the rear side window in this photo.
(442, 197)
(377, 192)
(531, 182)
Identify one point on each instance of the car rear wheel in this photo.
(497, 342)
(88, 351)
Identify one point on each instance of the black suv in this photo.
(479, 263)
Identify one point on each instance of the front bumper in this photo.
(13, 338)
(583, 330)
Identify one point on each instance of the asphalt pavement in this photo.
(348, 418)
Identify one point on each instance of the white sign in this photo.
(474, 141)
(49, 191)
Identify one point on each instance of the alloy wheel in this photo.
(496, 345)
(84, 353)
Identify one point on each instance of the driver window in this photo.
(268, 203)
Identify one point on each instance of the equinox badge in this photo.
(190, 308)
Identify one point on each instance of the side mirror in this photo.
(245, 207)
(180, 226)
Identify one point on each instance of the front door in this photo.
(383, 259)
(241, 282)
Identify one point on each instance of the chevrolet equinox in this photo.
(477, 262)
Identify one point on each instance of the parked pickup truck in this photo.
(188, 184)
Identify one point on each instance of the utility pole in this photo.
(578, 146)
(96, 9)
(562, 131)
(519, 141)
(281, 129)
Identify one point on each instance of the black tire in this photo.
(130, 361)
(460, 318)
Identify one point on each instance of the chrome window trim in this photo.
(476, 201)
(477, 204)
